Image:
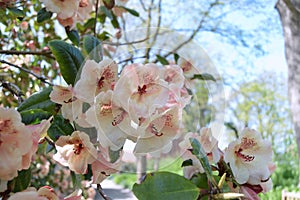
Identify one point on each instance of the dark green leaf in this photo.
(17, 12)
(106, 12)
(115, 22)
(162, 60)
(22, 181)
(200, 180)
(69, 59)
(104, 36)
(92, 47)
(176, 57)
(165, 186)
(204, 76)
(59, 127)
(39, 100)
(34, 116)
(131, 11)
(199, 152)
(73, 36)
(76, 180)
(43, 15)
(90, 23)
(188, 162)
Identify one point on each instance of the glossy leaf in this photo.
(34, 116)
(188, 162)
(131, 11)
(204, 76)
(59, 126)
(17, 12)
(162, 60)
(165, 186)
(22, 181)
(43, 15)
(73, 36)
(39, 100)
(69, 59)
(92, 48)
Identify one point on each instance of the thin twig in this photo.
(96, 16)
(27, 71)
(125, 43)
(15, 52)
(100, 190)
(131, 58)
(12, 88)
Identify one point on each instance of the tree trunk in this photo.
(289, 11)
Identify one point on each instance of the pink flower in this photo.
(102, 167)
(71, 105)
(141, 90)
(37, 131)
(249, 157)
(75, 151)
(96, 78)
(160, 132)
(100, 115)
(64, 9)
(44, 193)
(13, 133)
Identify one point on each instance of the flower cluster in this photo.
(249, 158)
(15, 153)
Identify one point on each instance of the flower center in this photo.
(119, 118)
(105, 108)
(142, 90)
(78, 148)
(100, 82)
(246, 158)
(155, 131)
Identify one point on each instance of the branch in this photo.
(12, 88)
(40, 53)
(100, 190)
(125, 43)
(27, 71)
(96, 16)
(193, 34)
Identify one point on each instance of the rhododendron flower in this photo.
(75, 151)
(37, 131)
(209, 144)
(96, 78)
(71, 105)
(100, 115)
(102, 167)
(142, 90)
(249, 157)
(160, 131)
(64, 9)
(44, 193)
(13, 133)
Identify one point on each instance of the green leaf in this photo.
(176, 57)
(186, 163)
(69, 59)
(115, 22)
(17, 12)
(165, 186)
(131, 11)
(59, 127)
(107, 12)
(200, 180)
(39, 100)
(22, 181)
(109, 4)
(162, 60)
(34, 116)
(114, 155)
(204, 76)
(92, 47)
(73, 36)
(43, 15)
(90, 23)
(76, 180)
(199, 152)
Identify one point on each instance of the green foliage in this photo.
(34, 116)
(43, 15)
(131, 11)
(92, 48)
(22, 181)
(162, 60)
(204, 76)
(160, 185)
(69, 59)
(39, 100)
(73, 36)
(59, 126)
